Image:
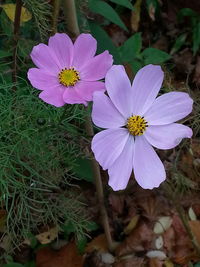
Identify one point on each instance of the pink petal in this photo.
(97, 67)
(44, 58)
(104, 113)
(53, 96)
(169, 108)
(119, 89)
(167, 136)
(146, 86)
(85, 48)
(120, 171)
(148, 168)
(41, 79)
(71, 96)
(108, 145)
(63, 48)
(86, 89)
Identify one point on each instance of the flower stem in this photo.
(56, 8)
(18, 11)
(72, 24)
(71, 18)
(99, 189)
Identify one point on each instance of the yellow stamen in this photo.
(136, 125)
(68, 77)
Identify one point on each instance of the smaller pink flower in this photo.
(136, 120)
(67, 72)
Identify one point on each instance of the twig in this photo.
(74, 29)
(16, 39)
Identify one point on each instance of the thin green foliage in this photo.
(42, 14)
(38, 150)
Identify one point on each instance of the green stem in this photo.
(71, 18)
(72, 24)
(18, 11)
(56, 8)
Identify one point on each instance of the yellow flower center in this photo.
(136, 125)
(68, 77)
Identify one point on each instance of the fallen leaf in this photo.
(48, 237)
(10, 12)
(135, 15)
(192, 214)
(156, 254)
(159, 242)
(99, 243)
(162, 224)
(132, 224)
(151, 11)
(130, 261)
(155, 263)
(140, 239)
(67, 256)
(195, 226)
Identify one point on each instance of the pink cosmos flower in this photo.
(136, 121)
(67, 72)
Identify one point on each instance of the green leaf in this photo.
(104, 42)
(68, 229)
(4, 54)
(81, 244)
(136, 65)
(83, 169)
(107, 11)
(131, 48)
(125, 3)
(186, 12)
(180, 41)
(154, 56)
(91, 226)
(196, 38)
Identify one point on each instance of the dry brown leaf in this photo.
(140, 239)
(132, 224)
(99, 243)
(65, 257)
(48, 237)
(195, 227)
(169, 239)
(117, 202)
(130, 262)
(135, 15)
(151, 11)
(155, 263)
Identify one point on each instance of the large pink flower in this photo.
(67, 72)
(136, 121)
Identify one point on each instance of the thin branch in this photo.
(72, 24)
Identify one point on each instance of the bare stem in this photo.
(73, 28)
(18, 11)
(56, 8)
(99, 189)
(71, 18)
